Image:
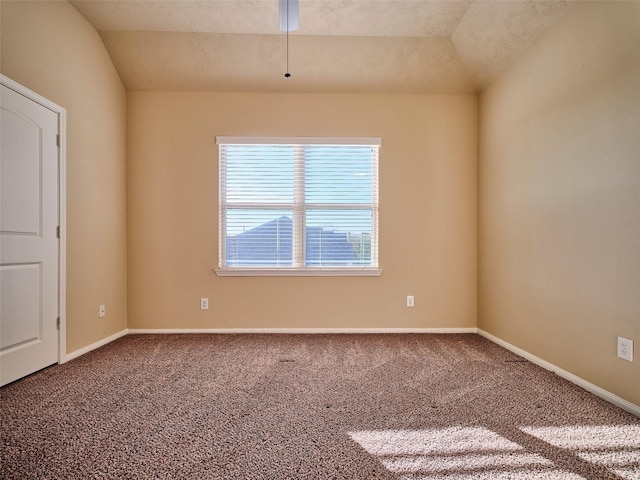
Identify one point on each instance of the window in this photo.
(298, 206)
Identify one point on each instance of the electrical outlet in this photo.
(102, 311)
(409, 300)
(625, 349)
(204, 304)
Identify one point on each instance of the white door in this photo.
(29, 244)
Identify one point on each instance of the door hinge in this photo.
(58, 231)
(58, 140)
(58, 323)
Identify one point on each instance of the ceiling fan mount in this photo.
(289, 12)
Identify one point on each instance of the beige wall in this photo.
(559, 182)
(428, 198)
(51, 49)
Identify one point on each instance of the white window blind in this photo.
(298, 204)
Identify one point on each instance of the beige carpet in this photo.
(309, 407)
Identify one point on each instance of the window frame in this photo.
(299, 210)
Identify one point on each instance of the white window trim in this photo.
(299, 140)
(296, 271)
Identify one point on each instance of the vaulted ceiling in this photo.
(369, 46)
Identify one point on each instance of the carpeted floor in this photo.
(309, 407)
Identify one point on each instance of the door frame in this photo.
(62, 205)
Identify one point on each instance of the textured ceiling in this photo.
(408, 46)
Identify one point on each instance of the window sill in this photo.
(298, 272)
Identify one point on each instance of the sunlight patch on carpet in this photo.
(466, 452)
(616, 447)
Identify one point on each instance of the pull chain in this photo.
(287, 74)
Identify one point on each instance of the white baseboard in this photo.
(588, 386)
(299, 330)
(93, 346)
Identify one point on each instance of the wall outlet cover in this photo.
(625, 349)
(204, 304)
